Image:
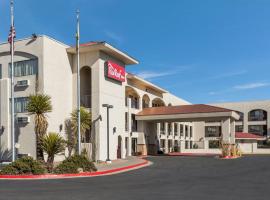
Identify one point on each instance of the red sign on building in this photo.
(115, 71)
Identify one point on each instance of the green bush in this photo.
(25, 165)
(73, 163)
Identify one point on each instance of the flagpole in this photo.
(78, 82)
(12, 81)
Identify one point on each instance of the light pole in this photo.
(108, 131)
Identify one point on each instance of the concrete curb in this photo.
(192, 154)
(144, 163)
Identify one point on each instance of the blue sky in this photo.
(203, 51)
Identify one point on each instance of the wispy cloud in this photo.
(230, 74)
(235, 88)
(114, 36)
(151, 74)
(158, 74)
(251, 86)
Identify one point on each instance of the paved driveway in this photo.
(187, 178)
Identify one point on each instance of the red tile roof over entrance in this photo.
(241, 135)
(184, 109)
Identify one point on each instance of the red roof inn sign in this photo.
(115, 71)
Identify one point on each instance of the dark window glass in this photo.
(241, 116)
(134, 123)
(239, 128)
(258, 129)
(0, 71)
(257, 115)
(212, 131)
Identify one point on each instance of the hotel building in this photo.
(145, 119)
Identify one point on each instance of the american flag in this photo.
(12, 34)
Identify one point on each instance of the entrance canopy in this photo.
(196, 112)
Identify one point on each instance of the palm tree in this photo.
(39, 105)
(86, 119)
(52, 144)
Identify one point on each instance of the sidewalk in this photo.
(117, 166)
(121, 163)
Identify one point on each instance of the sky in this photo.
(202, 51)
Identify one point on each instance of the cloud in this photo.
(235, 88)
(151, 75)
(230, 74)
(251, 86)
(114, 36)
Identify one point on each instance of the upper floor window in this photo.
(241, 116)
(258, 129)
(257, 115)
(20, 104)
(239, 128)
(24, 68)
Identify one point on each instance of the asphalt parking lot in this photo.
(187, 178)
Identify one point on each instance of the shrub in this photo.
(25, 165)
(53, 144)
(73, 163)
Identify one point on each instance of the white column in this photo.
(225, 129)
(232, 131)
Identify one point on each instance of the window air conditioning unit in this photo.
(23, 120)
(23, 83)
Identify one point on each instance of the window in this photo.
(169, 128)
(186, 144)
(190, 130)
(24, 68)
(181, 129)
(162, 128)
(133, 123)
(162, 143)
(212, 131)
(134, 102)
(239, 128)
(20, 104)
(126, 121)
(175, 128)
(257, 115)
(186, 130)
(0, 71)
(258, 129)
(241, 116)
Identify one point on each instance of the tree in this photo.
(71, 137)
(86, 119)
(39, 105)
(52, 144)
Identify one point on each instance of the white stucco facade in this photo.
(49, 67)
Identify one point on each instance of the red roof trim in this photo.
(241, 135)
(184, 109)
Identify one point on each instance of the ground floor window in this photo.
(162, 143)
(214, 144)
(134, 146)
(212, 131)
(186, 144)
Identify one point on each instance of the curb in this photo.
(192, 154)
(84, 174)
